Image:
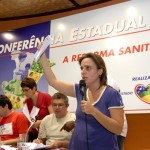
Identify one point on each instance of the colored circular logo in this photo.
(143, 92)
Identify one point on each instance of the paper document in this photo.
(8, 147)
(33, 113)
(36, 146)
(32, 146)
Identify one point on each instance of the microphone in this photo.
(82, 87)
(46, 43)
(36, 118)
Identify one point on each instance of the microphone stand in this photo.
(32, 122)
(86, 127)
(83, 89)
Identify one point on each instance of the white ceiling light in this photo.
(131, 12)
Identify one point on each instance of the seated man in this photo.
(11, 123)
(50, 132)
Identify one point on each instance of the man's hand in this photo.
(68, 126)
(36, 124)
(59, 144)
(38, 141)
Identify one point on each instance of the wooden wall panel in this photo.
(138, 137)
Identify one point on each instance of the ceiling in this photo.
(20, 9)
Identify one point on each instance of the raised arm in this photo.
(63, 87)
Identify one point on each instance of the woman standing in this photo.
(99, 117)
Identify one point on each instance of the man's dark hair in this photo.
(4, 100)
(61, 96)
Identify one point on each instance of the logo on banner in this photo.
(143, 92)
(25, 67)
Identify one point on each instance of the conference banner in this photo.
(17, 48)
(121, 35)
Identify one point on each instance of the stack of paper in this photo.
(36, 146)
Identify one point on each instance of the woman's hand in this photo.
(86, 107)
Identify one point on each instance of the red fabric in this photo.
(43, 102)
(20, 124)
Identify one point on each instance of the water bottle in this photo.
(20, 142)
(0, 143)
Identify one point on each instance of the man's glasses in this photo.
(58, 105)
